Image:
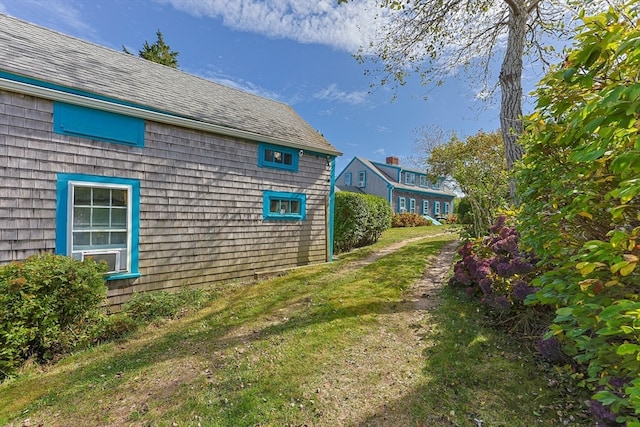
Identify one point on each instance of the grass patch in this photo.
(269, 353)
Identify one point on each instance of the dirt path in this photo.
(393, 355)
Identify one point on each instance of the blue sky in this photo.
(295, 51)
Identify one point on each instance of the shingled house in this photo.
(406, 189)
(171, 179)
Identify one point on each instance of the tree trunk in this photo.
(511, 85)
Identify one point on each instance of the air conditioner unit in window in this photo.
(112, 258)
(361, 184)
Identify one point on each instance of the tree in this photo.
(580, 190)
(478, 166)
(434, 38)
(158, 52)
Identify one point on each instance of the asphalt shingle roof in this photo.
(39, 53)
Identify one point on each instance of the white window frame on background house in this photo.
(402, 205)
(412, 205)
(425, 207)
(362, 179)
(347, 179)
(436, 208)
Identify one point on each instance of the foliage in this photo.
(151, 306)
(360, 219)
(477, 164)
(158, 52)
(45, 301)
(495, 269)
(581, 212)
(409, 219)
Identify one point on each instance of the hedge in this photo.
(359, 220)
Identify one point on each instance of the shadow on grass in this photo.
(305, 300)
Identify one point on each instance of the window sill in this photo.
(122, 276)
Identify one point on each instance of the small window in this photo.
(425, 207)
(271, 156)
(412, 205)
(347, 179)
(436, 208)
(99, 217)
(284, 206)
(423, 181)
(362, 179)
(410, 178)
(95, 124)
(445, 208)
(402, 205)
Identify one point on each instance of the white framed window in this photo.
(362, 178)
(425, 207)
(410, 178)
(412, 205)
(436, 208)
(423, 181)
(402, 205)
(99, 217)
(347, 179)
(445, 208)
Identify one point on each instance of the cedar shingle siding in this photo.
(201, 192)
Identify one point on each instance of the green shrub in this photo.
(359, 220)
(580, 187)
(409, 220)
(46, 301)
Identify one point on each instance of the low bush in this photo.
(46, 303)
(409, 220)
(359, 220)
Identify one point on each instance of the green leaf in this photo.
(627, 348)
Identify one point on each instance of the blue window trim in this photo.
(262, 147)
(62, 215)
(270, 195)
(425, 207)
(75, 120)
(348, 179)
(412, 206)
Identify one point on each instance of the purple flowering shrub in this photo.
(495, 269)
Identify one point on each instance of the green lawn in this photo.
(264, 354)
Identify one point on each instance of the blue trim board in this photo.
(332, 196)
(62, 214)
(69, 119)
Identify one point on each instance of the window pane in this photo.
(81, 217)
(288, 159)
(118, 197)
(101, 197)
(99, 238)
(81, 196)
(118, 218)
(277, 157)
(118, 238)
(81, 239)
(268, 155)
(295, 206)
(274, 206)
(100, 217)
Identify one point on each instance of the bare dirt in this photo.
(393, 355)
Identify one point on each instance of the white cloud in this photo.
(333, 93)
(379, 152)
(345, 26)
(64, 15)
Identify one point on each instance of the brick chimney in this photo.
(392, 160)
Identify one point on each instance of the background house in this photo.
(407, 190)
(172, 179)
